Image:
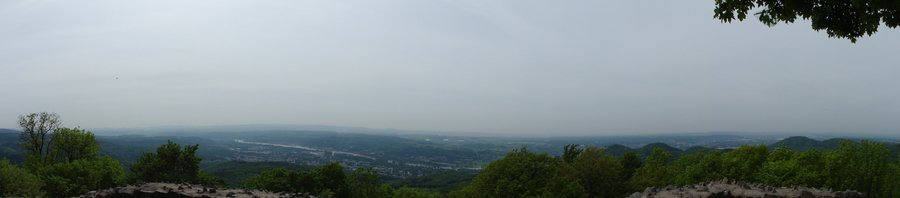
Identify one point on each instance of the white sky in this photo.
(535, 67)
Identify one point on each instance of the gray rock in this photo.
(634, 195)
(166, 190)
(738, 189)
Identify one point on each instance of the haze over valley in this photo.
(517, 68)
(407, 154)
(451, 99)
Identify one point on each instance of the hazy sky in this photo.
(536, 67)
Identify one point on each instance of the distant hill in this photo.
(694, 150)
(797, 143)
(10, 131)
(9, 147)
(236, 171)
(802, 143)
(644, 151)
(617, 149)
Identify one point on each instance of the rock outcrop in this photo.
(167, 190)
(737, 189)
(712, 189)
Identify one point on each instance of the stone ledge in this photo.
(737, 189)
(168, 190)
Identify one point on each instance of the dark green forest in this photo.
(580, 171)
(234, 172)
(590, 172)
(51, 161)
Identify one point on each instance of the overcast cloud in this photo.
(530, 67)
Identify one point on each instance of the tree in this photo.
(328, 179)
(17, 182)
(70, 145)
(597, 172)
(406, 192)
(37, 129)
(65, 159)
(170, 163)
(743, 163)
(46, 143)
(891, 181)
(812, 167)
(208, 179)
(630, 162)
(522, 174)
(365, 182)
(570, 152)
(849, 19)
(80, 176)
(277, 180)
(705, 165)
(786, 167)
(654, 173)
(780, 169)
(859, 166)
(659, 157)
(781, 153)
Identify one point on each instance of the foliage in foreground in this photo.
(173, 164)
(526, 174)
(863, 166)
(330, 179)
(235, 172)
(17, 182)
(65, 160)
(442, 182)
(80, 176)
(849, 19)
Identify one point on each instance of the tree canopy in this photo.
(37, 128)
(80, 176)
(328, 180)
(863, 166)
(65, 160)
(848, 19)
(17, 182)
(173, 164)
(523, 173)
(70, 145)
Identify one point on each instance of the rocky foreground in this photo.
(736, 189)
(712, 189)
(167, 190)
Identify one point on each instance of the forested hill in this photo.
(796, 143)
(9, 131)
(619, 150)
(802, 143)
(9, 147)
(438, 164)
